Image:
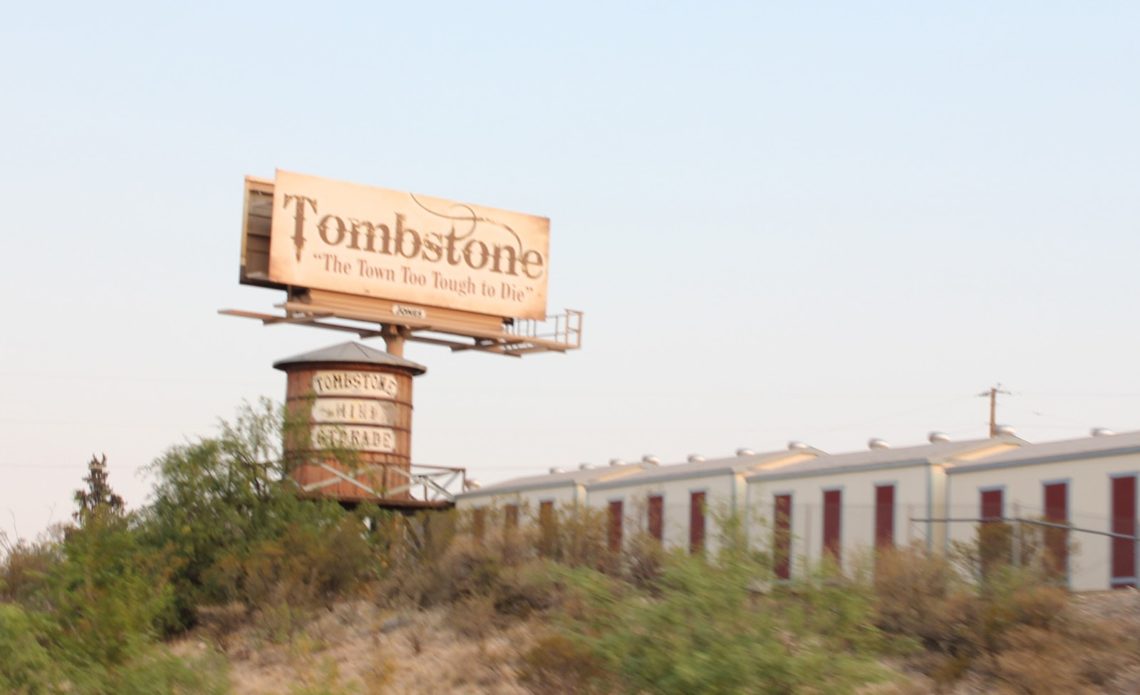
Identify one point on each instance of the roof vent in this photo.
(617, 462)
(937, 437)
(556, 469)
(1004, 431)
(696, 458)
(876, 443)
(651, 460)
(745, 452)
(796, 445)
(1101, 432)
(585, 466)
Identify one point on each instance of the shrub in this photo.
(25, 568)
(644, 560)
(158, 671)
(306, 565)
(464, 570)
(108, 595)
(913, 589)
(228, 518)
(1010, 624)
(525, 589)
(558, 664)
(26, 666)
(581, 538)
(703, 632)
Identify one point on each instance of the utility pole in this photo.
(993, 392)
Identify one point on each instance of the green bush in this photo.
(704, 631)
(25, 568)
(108, 595)
(101, 598)
(26, 665)
(228, 517)
(158, 672)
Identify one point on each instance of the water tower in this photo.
(358, 400)
(402, 267)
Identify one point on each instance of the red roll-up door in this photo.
(832, 522)
(546, 515)
(992, 505)
(1124, 522)
(1057, 540)
(657, 517)
(884, 516)
(782, 537)
(479, 523)
(546, 527)
(615, 526)
(995, 537)
(697, 522)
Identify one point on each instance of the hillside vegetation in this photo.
(227, 582)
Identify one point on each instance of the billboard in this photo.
(403, 247)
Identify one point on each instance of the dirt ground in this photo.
(358, 648)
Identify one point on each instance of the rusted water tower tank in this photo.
(358, 400)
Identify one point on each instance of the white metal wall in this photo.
(857, 511)
(719, 494)
(563, 496)
(1089, 506)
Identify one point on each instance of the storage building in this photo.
(680, 504)
(841, 504)
(1088, 484)
(538, 497)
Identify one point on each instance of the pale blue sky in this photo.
(821, 221)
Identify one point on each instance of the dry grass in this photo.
(483, 617)
(358, 647)
(1015, 632)
(467, 647)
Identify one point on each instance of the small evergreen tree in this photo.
(98, 500)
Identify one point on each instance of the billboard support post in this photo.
(394, 338)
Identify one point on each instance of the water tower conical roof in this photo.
(352, 353)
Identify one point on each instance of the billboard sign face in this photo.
(403, 247)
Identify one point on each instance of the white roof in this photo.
(1054, 452)
(921, 455)
(721, 466)
(640, 473)
(552, 480)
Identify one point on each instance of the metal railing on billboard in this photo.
(564, 329)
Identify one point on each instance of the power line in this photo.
(120, 377)
(78, 423)
(888, 416)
